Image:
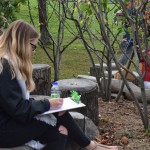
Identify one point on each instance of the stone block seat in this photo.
(116, 85)
(115, 73)
(104, 67)
(89, 95)
(18, 148)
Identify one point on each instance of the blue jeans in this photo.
(126, 55)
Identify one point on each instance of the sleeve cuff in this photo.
(47, 106)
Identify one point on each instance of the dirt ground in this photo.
(120, 124)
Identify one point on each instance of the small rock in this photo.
(124, 140)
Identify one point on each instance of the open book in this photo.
(68, 104)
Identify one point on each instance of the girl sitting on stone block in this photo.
(19, 121)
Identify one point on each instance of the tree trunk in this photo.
(42, 9)
(42, 79)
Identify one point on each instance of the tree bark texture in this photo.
(89, 95)
(42, 9)
(42, 79)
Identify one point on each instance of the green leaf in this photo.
(84, 7)
(9, 6)
(129, 29)
(120, 29)
(116, 10)
(52, 0)
(89, 11)
(105, 2)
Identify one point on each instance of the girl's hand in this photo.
(63, 130)
(56, 103)
(124, 40)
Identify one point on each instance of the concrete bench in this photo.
(17, 148)
(89, 95)
(99, 67)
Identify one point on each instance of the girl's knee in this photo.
(61, 113)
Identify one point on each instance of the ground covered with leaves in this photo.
(120, 124)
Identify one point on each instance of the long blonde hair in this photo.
(15, 44)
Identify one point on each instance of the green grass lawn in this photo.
(75, 59)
